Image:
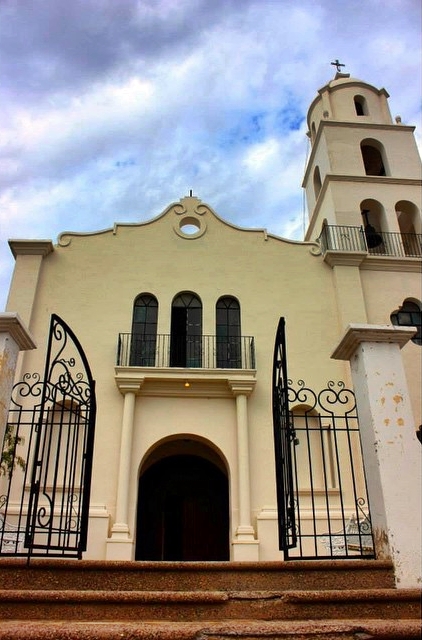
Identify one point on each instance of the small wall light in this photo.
(187, 384)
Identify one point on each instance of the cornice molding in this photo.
(346, 258)
(367, 262)
(390, 263)
(182, 383)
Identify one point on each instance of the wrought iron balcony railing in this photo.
(206, 352)
(376, 243)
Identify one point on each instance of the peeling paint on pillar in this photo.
(391, 456)
(382, 547)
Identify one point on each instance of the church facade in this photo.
(178, 315)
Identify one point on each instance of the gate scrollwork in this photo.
(45, 504)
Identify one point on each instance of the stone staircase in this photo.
(297, 600)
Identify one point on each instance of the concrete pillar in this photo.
(29, 255)
(14, 337)
(391, 450)
(120, 533)
(245, 546)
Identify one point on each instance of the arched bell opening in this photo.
(361, 106)
(317, 182)
(373, 218)
(183, 503)
(374, 158)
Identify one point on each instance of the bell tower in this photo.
(364, 170)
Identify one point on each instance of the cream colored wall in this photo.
(93, 282)
(401, 153)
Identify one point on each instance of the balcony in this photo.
(193, 352)
(375, 243)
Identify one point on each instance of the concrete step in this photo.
(50, 574)
(223, 630)
(95, 605)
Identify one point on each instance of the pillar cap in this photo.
(357, 333)
(31, 247)
(11, 323)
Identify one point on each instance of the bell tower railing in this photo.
(347, 238)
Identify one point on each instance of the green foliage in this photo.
(9, 458)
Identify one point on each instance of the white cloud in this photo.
(111, 112)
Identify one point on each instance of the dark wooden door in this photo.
(183, 511)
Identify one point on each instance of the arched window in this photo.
(360, 106)
(186, 331)
(317, 182)
(373, 160)
(409, 315)
(144, 331)
(229, 352)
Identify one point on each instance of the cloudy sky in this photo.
(112, 109)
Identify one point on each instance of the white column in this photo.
(391, 450)
(245, 546)
(120, 526)
(120, 529)
(14, 337)
(244, 530)
(120, 544)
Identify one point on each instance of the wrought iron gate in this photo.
(322, 499)
(47, 454)
(283, 439)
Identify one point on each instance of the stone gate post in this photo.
(14, 337)
(390, 448)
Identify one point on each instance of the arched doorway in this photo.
(183, 509)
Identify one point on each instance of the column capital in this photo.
(11, 323)
(357, 333)
(128, 385)
(241, 387)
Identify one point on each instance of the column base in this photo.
(119, 546)
(245, 550)
(120, 531)
(245, 533)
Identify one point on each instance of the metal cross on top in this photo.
(338, 64)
